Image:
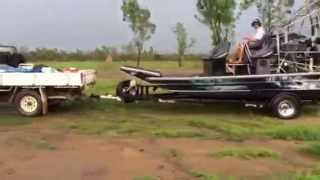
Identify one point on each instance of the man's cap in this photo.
(256, 21)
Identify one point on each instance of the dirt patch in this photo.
(196, 157)
(85, 158)
(95, 158)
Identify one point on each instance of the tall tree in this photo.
(183, 42)
(272, 12)
(218, 15)
(140, 24)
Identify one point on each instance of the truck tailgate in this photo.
(88, 77)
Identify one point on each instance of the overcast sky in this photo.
(86, 24)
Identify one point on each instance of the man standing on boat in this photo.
(253, 42)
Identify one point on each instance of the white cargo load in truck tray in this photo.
(56, 79)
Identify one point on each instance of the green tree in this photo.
(183, 43)
(140, 24)
(218, 15)
(272, 12)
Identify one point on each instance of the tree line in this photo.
(103, 53)
(218, 15)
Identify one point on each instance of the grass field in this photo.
(179, 141)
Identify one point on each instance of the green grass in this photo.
(309, 174)
(245, 153)
(207, 176)
(14, 120)
(312, 149)
(238, 129)
(92, 117)
(180, 120)
(178, 133)
(146, 178)
(109, 118)
(296, 132)
(225, 129)
(313, 174)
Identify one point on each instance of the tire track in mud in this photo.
(154, 151)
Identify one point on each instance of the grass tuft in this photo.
(173, 154)
(302, 133)
(231, 131)
(44, 144)
(313, 149)
(178, 133)
(245, 153)
(206, 176)
(311, 174)
(146, 178)
(14, 120)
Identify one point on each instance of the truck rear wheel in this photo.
(286, 106)
(28, 103)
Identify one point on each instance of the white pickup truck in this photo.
(34, 89)
(32, 93)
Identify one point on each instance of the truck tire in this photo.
(122, 92)
(28, 103)
(286, 106)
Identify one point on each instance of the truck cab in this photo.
(9, 55)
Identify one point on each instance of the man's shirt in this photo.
(260, 32)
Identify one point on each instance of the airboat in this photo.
(283, 75)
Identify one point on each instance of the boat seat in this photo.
(221, 51)
(266, 51)
(252, 56)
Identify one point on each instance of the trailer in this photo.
(282, 75)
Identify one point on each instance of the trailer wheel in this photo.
(124, 92)
(28, 103)
(286, 106)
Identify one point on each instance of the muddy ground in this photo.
(34, 152)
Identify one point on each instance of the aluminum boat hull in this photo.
(248, 87)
